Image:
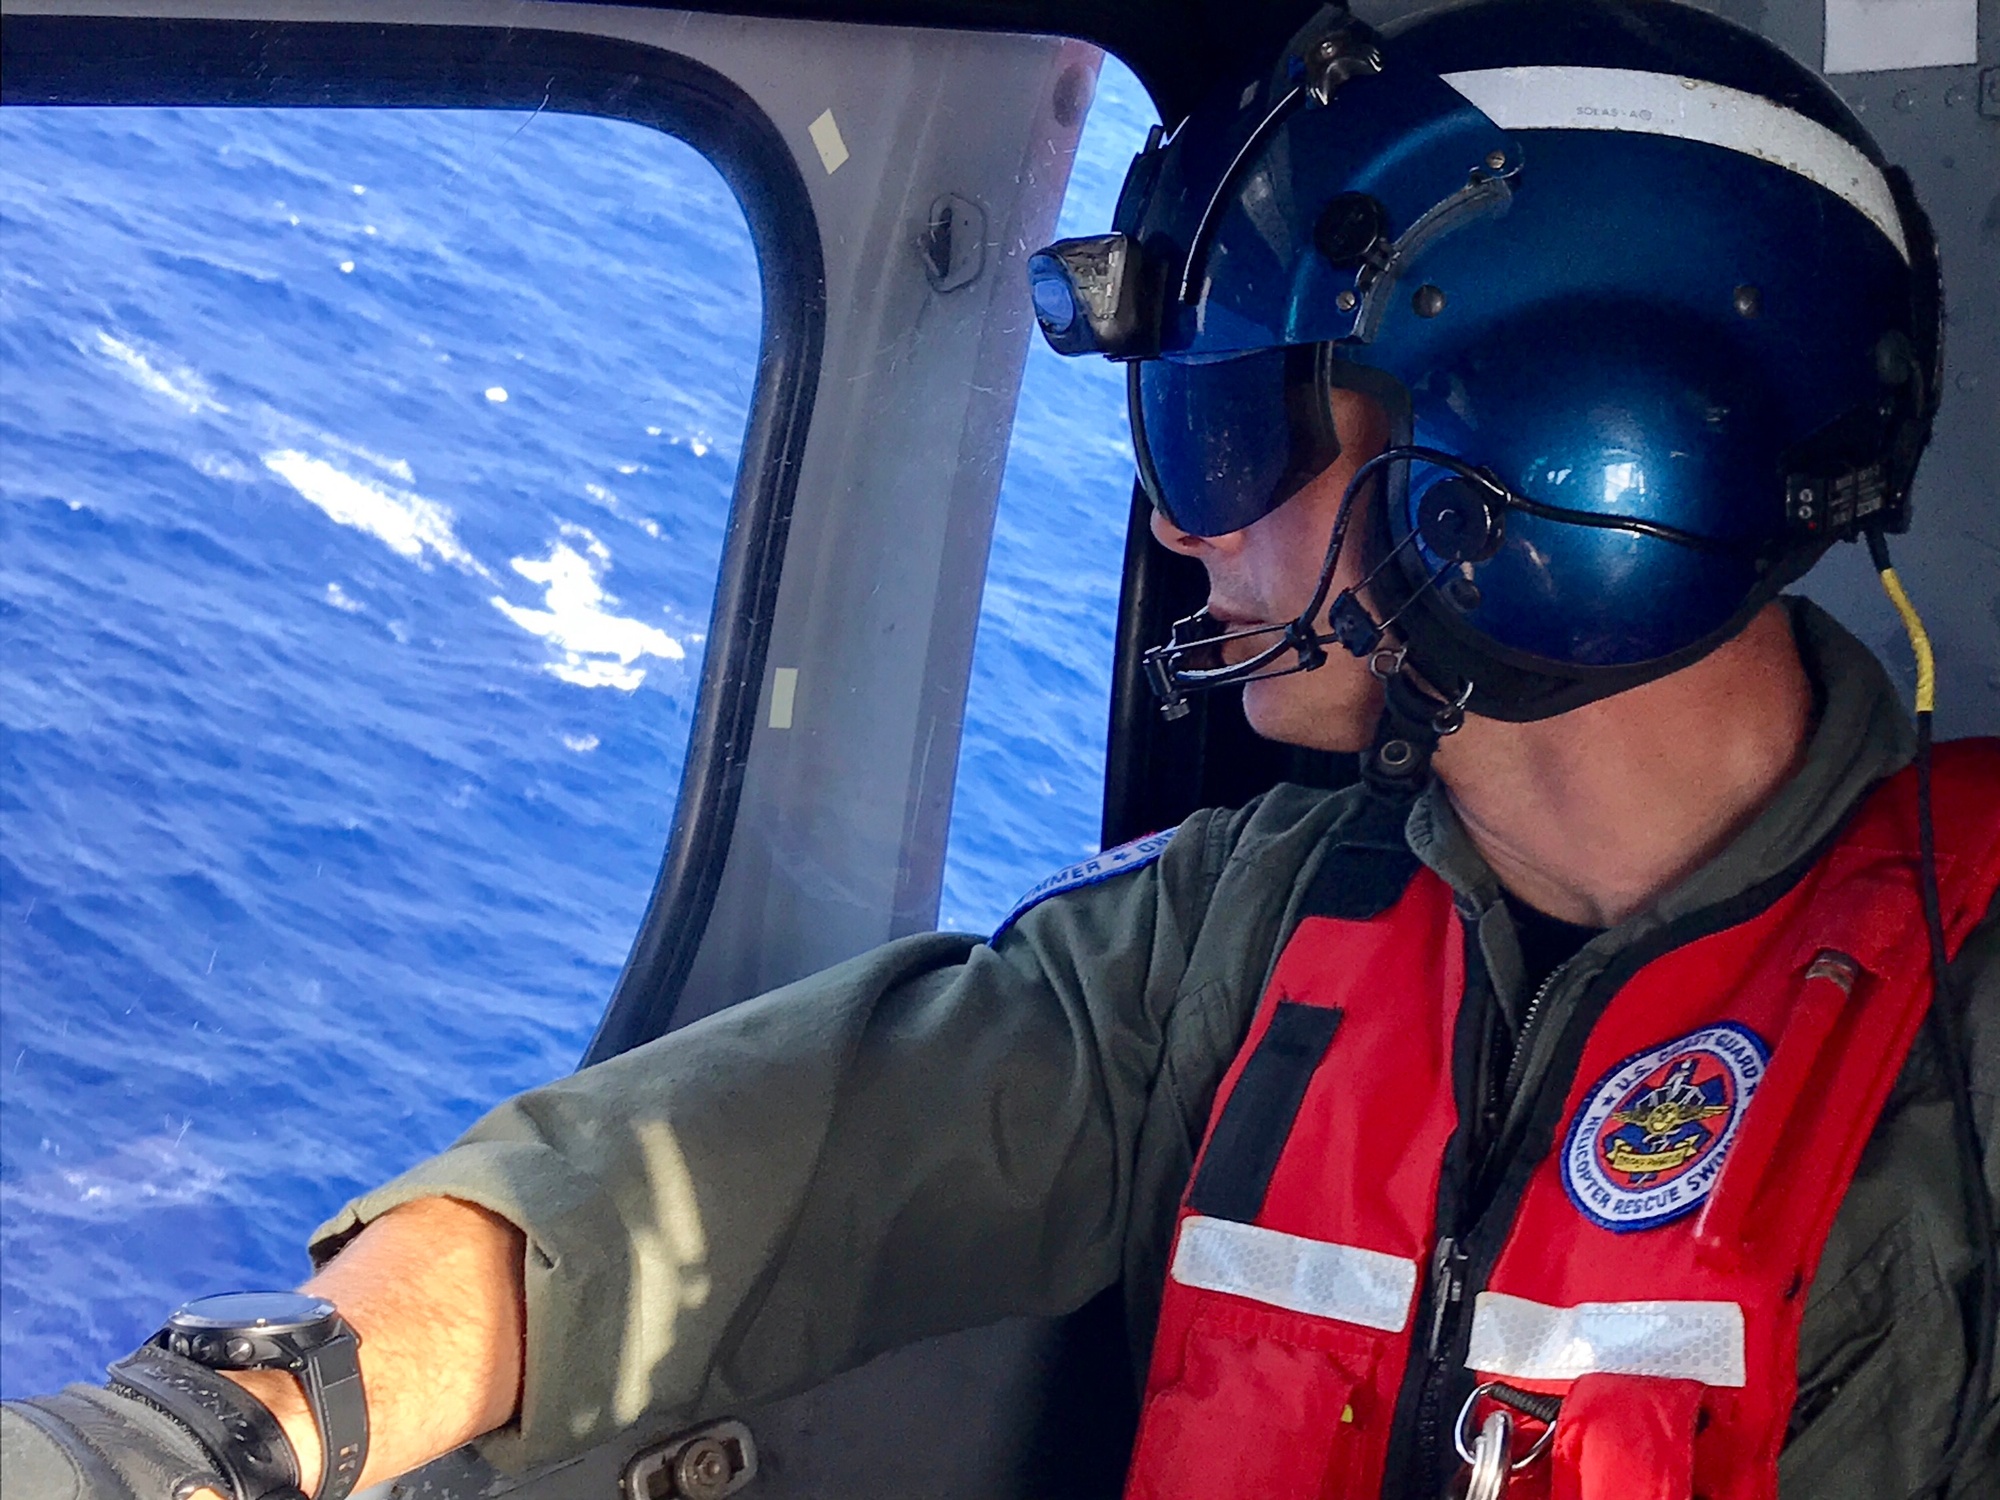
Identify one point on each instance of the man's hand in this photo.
(435, 1291)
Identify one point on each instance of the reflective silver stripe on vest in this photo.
(1287, 1270)
(1522, 1340)
(1690, 109)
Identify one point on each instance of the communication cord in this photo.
(1944, 1020)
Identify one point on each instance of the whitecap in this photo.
(221, 466)
(182, 386)
(610, 501)
(582, 744)
(338, 598)
(598, 648)
(156, 1172)
(281, 431)
(408, 523)
(597, 671)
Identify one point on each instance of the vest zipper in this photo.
(1451, 1261)
(1448, 1290)
(1517, 1064)
(1447, 1293)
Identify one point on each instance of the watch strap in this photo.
(239, 1432)
(332, 1380)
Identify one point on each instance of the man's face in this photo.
(1265, 574)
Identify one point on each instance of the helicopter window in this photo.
(1031, 763)
(366, 481)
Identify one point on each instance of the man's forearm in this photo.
(434, 1290)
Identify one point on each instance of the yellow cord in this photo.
(1920, 640)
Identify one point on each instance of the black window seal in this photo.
(116, 60)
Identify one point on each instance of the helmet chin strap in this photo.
(1414, 721)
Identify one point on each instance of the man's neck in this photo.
(1595, 815)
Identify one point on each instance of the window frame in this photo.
(137, 61)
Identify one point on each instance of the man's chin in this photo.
(1296, 710)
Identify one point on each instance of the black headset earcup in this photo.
(1460, 520)
(1924, 380)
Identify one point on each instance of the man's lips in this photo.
(1231, 620)
(1233, 623)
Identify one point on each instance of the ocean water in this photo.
(359, 516)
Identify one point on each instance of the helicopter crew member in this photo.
(1597, 1101)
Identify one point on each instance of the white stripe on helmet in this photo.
(1688, 109)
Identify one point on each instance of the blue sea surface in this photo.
(363, 479)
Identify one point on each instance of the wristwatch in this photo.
(304, 1336)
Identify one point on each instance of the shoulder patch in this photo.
(1122, 860)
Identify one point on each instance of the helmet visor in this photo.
(1221, 443)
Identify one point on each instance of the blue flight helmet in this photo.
(1654, 322)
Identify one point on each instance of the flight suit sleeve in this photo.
(930, 1137)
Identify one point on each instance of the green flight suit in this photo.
(941, 1134)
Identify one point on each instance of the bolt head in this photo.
(1463, 593)
(1428, 301)
(1347, 301)
(703, 1469)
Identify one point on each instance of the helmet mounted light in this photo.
(1088, 296)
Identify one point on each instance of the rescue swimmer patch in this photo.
(1122, 860)
(1649, 1141)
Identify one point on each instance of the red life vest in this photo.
(1351, 1254)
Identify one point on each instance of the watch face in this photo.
(265, 1312)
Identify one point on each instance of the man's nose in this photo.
(1170, 536)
